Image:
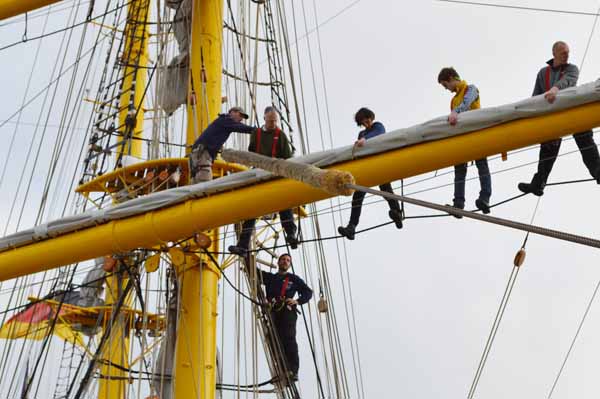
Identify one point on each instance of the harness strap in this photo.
(284, 286)
(273, 145)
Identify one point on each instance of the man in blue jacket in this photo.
(281, 288)
(559, 75)
(366, 118)
(205, 148)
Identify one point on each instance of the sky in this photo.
(425, 297)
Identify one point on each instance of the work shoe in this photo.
(292, 241)
(396, 216)
(347, 231)
(483, 205)
(458, 207)
(237, 250)
(528, 188)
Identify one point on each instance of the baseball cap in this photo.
(241, 111)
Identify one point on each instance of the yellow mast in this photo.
(183, 220)
(113, 383)
(196, 347)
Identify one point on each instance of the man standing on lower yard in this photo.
(559, 75)
(272, 142)
(466, 98)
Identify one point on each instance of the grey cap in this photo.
(240, 110)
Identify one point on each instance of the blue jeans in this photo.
(460, 174)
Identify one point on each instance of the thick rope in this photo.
(333, 181)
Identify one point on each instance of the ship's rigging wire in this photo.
(550, 10)
(75, 25)
(494, 330)
(51, 9)
(574, 340)
(22, 292)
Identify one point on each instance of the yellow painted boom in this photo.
(11, 8)
(179, 221)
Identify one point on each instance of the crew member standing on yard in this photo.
(366, 118)
(558, 75)
(205, 148)
(271, 142)
(281, 288)
(466, 98)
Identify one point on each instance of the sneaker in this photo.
(292, 241)
(347, 231)
(396, 216)
(236, 250)
(528, 188)
(483, 205)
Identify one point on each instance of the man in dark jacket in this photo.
(281, 288)
(205, 148)
(366, 118)
(559, 75)
(271, 142)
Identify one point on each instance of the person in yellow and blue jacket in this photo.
(466, 98)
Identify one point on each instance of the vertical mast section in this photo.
(113, 382)
(134, 61)
(204, 98)
(196, 348)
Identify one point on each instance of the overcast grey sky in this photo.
(426, 296)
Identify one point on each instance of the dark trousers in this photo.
(287, 222)
(359, 196)
(284, 322)
(485, 180)
(549, 152)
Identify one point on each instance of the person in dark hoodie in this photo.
(205, 148)
(559, 75)
(366, 118)
(281, 288)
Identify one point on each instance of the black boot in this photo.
(347, 231)
(531, 188)
(292, 240)
(396, 216)
(459, 206)
(237, 250)
(483, 205)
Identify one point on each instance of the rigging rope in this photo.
(490, 340)
(587, 241)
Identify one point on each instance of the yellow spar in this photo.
(11, 8)
(182, 220)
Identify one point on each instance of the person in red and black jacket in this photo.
(272, 142)
(559, 75)
(281, 288)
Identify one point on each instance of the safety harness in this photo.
(279, 303)
(274, 144)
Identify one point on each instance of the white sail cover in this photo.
(434, 129)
